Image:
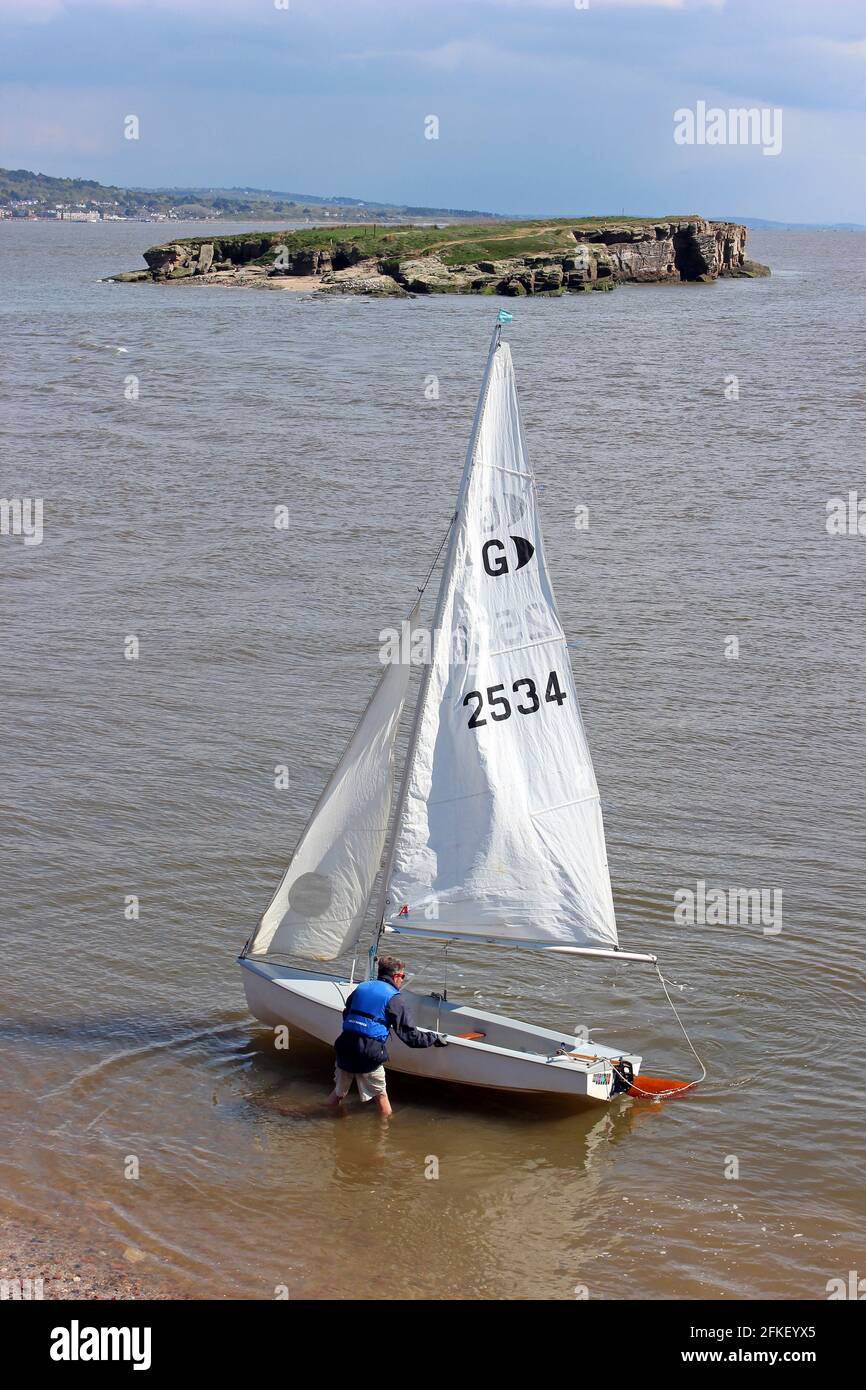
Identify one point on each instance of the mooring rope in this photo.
(633, 1085)
(675, 1090)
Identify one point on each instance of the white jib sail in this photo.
(318, 909)
(499, 829)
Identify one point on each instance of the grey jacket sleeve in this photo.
(400, 1020)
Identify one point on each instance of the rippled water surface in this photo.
(155, 777)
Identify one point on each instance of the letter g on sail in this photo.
(495, 556)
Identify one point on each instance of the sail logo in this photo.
(77, 1343)
(494, 555)
(730, 907)
(310, 895)
(499, 512)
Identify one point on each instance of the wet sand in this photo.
(72, 1266)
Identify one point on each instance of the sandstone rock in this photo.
(242, 249)
(547, 276)
(429, 275)
(644, 261)
(588, 286)
(161, 260)
(750, 270)
(345, 254)
(375, 284)
(506, 269)
(481, 284)
(305, 261)
(578, 270)
(612, 252)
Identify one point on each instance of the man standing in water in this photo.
(372, 1010)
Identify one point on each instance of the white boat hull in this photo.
(511, 1056)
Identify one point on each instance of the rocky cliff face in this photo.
(696, 250)
(593, 257)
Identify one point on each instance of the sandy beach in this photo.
(258, 278)
(72, 1264)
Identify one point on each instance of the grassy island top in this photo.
(455, 244)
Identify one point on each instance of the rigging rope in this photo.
(438, 553)
(633, 1084)
(676, 1090)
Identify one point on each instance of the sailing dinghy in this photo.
(496, 837)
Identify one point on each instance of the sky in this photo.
(543, 106)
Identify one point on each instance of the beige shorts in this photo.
(370, 1083)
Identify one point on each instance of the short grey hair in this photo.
(388, 966)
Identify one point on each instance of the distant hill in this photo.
(25, 193)
(761, 224)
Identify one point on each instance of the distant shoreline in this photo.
(257, 218)
(22, 192)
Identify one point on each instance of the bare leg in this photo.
(334, 1101)
(383, 1105)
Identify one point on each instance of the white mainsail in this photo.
(498, 831)
(318, 909)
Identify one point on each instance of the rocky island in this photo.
(510, 258)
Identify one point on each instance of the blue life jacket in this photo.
(367, 1014)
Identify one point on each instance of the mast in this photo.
(440, 600)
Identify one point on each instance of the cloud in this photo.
(32, 11)
(51, 121)
(838, 48)
(472, 55)
(25, 9)
(542, 107)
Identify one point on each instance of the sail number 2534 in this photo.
(499, 706)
